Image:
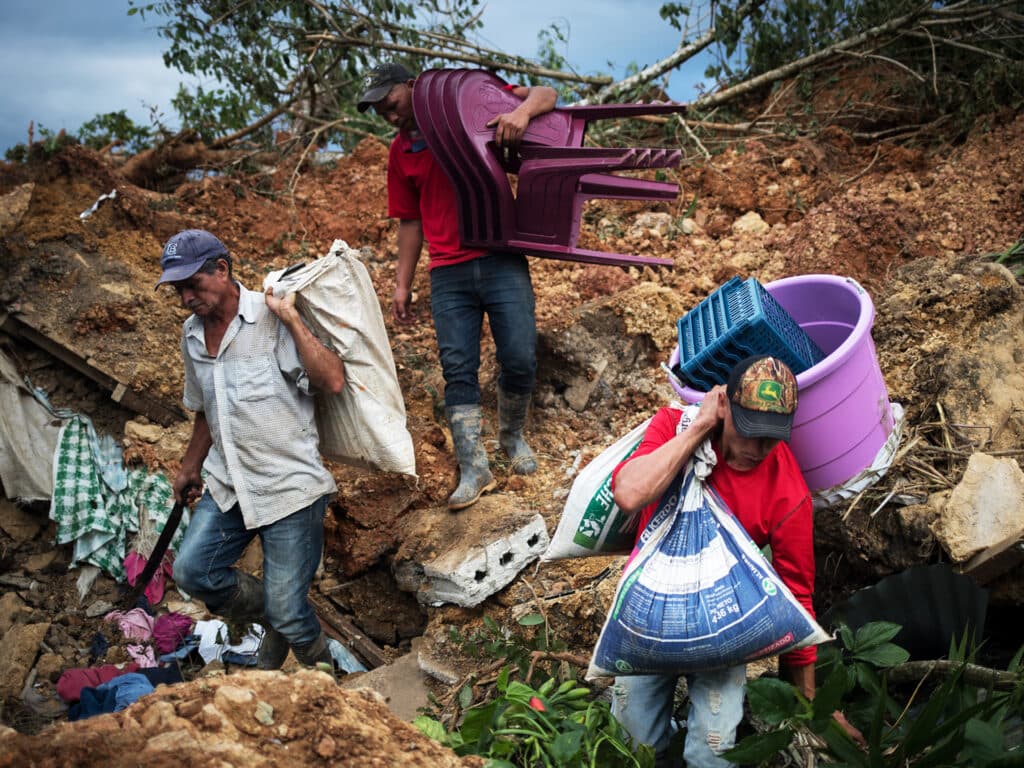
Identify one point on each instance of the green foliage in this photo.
(108, 127)
(1012, 258)
(551, 721)
(945, 723)
(47, 145)
(959, 62)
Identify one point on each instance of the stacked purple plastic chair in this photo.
(556, 173)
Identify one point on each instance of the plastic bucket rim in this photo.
(865, 321)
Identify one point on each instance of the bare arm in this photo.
(645, 478)
(410, 243)
(325, 369)
(510, 127)
(189, 481)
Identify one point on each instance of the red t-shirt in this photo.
(419, 189)
(772, 504)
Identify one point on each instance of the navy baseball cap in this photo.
(186, 252)
(378, 82)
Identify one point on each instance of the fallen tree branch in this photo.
(974, 674)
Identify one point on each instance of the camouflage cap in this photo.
(762, 396)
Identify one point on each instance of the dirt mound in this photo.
(245, 719)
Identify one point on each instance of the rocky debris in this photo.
(986, 507)
(466, 557)
(21, 646)
(245, 719)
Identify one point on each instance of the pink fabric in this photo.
(72, 681)
(135, 624)
(133, 567)
(142, 654)
(170, 630)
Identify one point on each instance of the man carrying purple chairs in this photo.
(465, 283)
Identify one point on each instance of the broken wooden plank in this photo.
(996, 560)
(346, 632)
(120, 392)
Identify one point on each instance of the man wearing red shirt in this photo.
(465, 283)
(747, 420)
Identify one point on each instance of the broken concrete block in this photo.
(402, 684)
(984, 509)
(466, 557)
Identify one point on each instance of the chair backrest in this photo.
(452, 109)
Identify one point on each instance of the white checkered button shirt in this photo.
(257, 400)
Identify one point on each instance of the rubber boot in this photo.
(475, 476)
(317, 652)
(247, 607)
(511, 420)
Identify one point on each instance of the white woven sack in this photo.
(591, 522)
(364, 425)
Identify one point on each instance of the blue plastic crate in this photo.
(738, 320)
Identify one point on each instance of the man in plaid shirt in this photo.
(251, 369)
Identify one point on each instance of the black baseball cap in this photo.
(379, 80)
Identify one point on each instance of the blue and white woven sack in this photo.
(698, 594)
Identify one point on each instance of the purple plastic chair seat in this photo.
(557, 174)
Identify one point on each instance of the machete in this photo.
(157, 555)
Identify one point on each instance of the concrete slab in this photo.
(402, 684)
(464, 558)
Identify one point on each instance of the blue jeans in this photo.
(643, 704)
(214, 540)
(498, 285)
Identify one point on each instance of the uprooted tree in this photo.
(290, 69)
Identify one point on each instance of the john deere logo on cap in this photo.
(770, 391)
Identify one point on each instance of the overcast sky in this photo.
(65, 61)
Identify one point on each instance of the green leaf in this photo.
(428, 726)
(466, 695)
(983, 742)
(828, 698)
(874, 633)
(565, 746)
(759, 747)
(531, 620)
(772, 700)
(502, 682)
(883, 656)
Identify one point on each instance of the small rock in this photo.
(99, 608)
(264, 713)
(750, 223)
(326, 747)
(147, 433)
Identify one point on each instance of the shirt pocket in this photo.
(254, 379)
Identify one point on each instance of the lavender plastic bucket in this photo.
(843, 418)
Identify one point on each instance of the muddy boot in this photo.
(511, 420)
(246, 608)
(475, 476)
(317, 652)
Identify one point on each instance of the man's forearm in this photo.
(325, 369)
(645, 478)
(410, 243)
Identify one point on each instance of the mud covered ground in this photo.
(912, 226)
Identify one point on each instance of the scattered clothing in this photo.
(99, 647)
(170, 630)
(189, 646)
(112, 696)
(135, 563)
(135, 624)
(141, 654)
(163, 675)
(97, 502)
(214, 642)
(72, 681)
(343, 658)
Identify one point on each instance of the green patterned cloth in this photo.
(97, 503)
